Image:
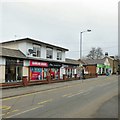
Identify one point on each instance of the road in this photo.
(76, 100)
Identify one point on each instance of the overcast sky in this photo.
(59, 22)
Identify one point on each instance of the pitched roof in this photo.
(5, 52)
(35, 42)
(94, 61)
(73, 61)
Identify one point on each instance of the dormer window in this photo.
(59, 55)
(49, 53)
(36, 50)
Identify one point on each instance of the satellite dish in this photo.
(30, 51)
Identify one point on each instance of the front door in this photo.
(18, 73)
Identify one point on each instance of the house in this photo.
(90, 70)
(33, 59)
(105, 65)
(113, 62)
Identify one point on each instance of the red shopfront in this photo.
(39, 70)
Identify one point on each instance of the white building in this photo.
(34, 59)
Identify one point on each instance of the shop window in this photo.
(54, 72)
(18, 73)
(99, 71)
(103, 70)
(13, 73)
(49, 53)
(36, 73)
(45, 73)
(37, 50)
(59, 55)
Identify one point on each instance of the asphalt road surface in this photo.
(93, 98)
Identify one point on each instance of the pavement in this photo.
(5, 93)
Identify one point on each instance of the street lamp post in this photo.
(81, 42)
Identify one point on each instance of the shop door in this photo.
(18, 73)
(10, 74)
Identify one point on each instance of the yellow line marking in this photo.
(45, 101)
(25, 111)
(15, 110)
(5, 107)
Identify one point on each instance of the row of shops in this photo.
(39, 70)
(36, 70)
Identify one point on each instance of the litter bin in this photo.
(24, 81)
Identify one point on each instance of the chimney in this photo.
(106, 54)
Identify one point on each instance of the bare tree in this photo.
(95, 53)
(99, 53)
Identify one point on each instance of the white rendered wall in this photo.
(2, 69)
(63, 56)
(2, 61)
(25, 71)
(24, 46)
(54, 54)
(43, 52)
(2, 73)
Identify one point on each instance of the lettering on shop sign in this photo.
(14, 62)
(36, 63)
(54, 65)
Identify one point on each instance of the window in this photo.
(37, 50)
(49, 53)
(59, 55)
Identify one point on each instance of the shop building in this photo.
(35, 60)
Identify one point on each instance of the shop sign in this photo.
(54, 65)
(64, 66)
(14, 62)
(39, 64)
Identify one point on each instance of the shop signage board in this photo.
(39, 64)
(16, 62)
(58, 65)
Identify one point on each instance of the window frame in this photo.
(59, 55)
(37, 50)
(49, 49)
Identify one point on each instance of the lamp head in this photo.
(88, 30)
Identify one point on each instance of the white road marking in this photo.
(75, 94)
(45, 101)
(66, 95)
(25, 111)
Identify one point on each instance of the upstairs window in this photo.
(37, 50)
(49, 53)
(59, 55)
